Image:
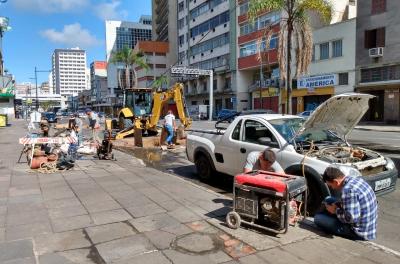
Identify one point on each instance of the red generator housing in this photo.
(267, 200)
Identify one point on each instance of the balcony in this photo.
(257, 34)
(251, 62)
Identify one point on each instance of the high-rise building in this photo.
(120, 34)
(378, 58)
(204, 42)
(165, 26)
(69, 71)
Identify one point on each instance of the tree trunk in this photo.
(289, 58)
(127, 83)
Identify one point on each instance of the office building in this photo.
(155, 53)
(69, 72)
(120, 34)
(98, 87)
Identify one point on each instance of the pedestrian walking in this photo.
(355, 214)
(170, 126)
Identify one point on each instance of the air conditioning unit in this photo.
(376, 52)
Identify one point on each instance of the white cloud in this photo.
(51, 6)
(72, 35)
(110, 11)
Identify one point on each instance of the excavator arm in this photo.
(160, 98)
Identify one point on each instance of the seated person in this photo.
(355, 214)
(264, 160)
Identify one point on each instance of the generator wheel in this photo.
(233, 220)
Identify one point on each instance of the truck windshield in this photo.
(287, 127)
(290, 126)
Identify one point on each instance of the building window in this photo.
(244, 8)
(344, 78)
(380, 74)
(181, 23)
(209, 24)
(337, 48)
(324, 51)
(215, 84)
(181, 39)
(374, 38)
(313, 53)
(378, 6)
(181, 6)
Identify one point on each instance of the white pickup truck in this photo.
(302, 147)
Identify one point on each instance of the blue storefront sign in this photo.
(317, 81)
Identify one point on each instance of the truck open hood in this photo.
(339, 114)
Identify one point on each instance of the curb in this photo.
(377, 130)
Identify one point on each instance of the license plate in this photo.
(382, 184)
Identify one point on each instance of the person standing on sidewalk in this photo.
(79, 125)
(355, 215)
(170, 126)
(93, 123)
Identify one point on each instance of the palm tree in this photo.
(160, 82)
(128, 57)
(295, 31)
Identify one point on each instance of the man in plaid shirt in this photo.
(355, 215)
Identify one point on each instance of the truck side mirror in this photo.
(266, 141)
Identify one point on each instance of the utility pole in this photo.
(36, 85)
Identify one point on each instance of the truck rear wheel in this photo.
(203, 167)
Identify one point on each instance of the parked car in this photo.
(302, 147)
(257, 111)
(81, 113)
(226, 113)
(305, 114)
(50, 117)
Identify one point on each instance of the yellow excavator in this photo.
(147, 122)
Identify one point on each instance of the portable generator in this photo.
(267, 200)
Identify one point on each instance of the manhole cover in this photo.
(197, 243)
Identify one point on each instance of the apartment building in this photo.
(118, 35)
(69, 73)
(258, 77)
(257, 74)
(164, 27)
(378, 58)
(204, 42)
(155, 53)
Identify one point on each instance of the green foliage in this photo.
(160, 81)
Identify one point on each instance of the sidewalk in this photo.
(123, 212)
(380, 128)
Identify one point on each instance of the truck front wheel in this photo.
(203, 167)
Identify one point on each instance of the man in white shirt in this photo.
(170, 126)
(264, 160)
(93, 123)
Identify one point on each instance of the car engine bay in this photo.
(366, 161)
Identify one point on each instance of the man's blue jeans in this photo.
(170, 136)
(331, 224)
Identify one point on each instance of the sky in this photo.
(40, 26)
